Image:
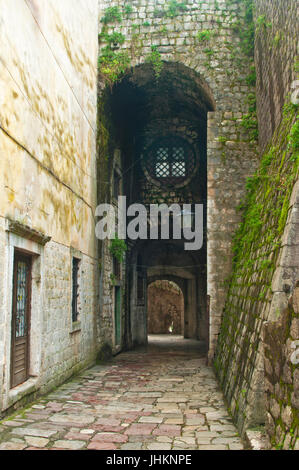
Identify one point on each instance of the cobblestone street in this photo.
(159, 399)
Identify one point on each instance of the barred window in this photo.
(170, 160)
(75, 290)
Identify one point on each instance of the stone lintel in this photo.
(27, 232)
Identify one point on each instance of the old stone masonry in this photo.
(111, 111)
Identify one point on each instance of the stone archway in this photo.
(145, 111)
(142, 110)
(165, 308)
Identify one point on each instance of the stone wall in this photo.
(266, 245)
(276, 49)
(48, 83)
(281, 339)
(256, 289)
(106, 319)
(204, 37)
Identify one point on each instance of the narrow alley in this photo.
(159, 398)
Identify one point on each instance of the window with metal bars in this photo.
(170, 160)
(75, 290)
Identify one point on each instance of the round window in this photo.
(170, 161)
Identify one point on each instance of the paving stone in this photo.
(150, 419)
(204, 441)
(17, 441)
(109, 437)
(158, 446)
(108, 421)
(222, 427)
(164, 439)
(167, 430)
(87, 431)
(101, 446)
(13, 424)
(131, 446)
(115, 410)
(195, 421)
(185, 440)
(174, 421)
(172, 400)
(69, 445)
(76, 436)
(212, 447)
(72, 418)
(36, 441)
(226, 440)
(209, 434)
(236, 446)
(12, 446)
(140, 429)
(33, 432)
(37, 448)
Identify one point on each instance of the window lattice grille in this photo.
(170, 160)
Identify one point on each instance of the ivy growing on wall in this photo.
(111, 15)
(256, 249)
(113, 63)
(118, 249)
(279, 178)
(156, 60)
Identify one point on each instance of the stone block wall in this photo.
(253, 296)
(281, 344)
(265, 266)
(276, 53)
(106, 327)
(65, 348)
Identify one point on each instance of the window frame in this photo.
(75, 289)
(181, 169)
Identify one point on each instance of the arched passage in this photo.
(154, 260)
(159, 145)
(165, 308)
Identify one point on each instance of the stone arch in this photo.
(166, 260)
(181, 102)
(142, 109)
(165, 306)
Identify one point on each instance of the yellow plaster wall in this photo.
(48, 93)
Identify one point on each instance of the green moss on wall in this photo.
(256, 248)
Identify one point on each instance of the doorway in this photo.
(165, 307)
(21, 312)
(117, 314)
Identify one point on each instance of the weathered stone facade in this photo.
(108, 279)
(276, 48)
(266, 246)
(281, 340)
(48, 95)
